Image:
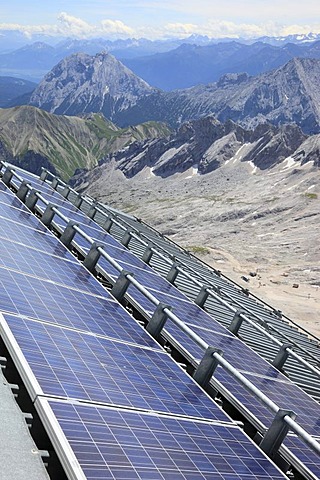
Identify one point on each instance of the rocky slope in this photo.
(206, 145)
(31, 138)
(82, 83)
(240, 217)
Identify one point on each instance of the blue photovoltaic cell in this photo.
(239, 355)
(47, 267)
(40, 245)
(114, 444)
(26, 235)
(77, 365)
(5, 189)
(286, 395)
(304, 453)
(34, 298)
(20, 215)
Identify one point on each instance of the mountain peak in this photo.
(84, 83)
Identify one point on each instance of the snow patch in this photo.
(254, 167)
(310, 188)
(194, 171)
(288, 163)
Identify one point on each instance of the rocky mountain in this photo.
(11, 87)
(82, 83)
(191, 65)
(207, 144)
(288, 94)
(32, 138)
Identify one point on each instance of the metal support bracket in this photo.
(92, 257)
(92, 211)
(55, 183)
(121, 286)
(23, 190)
(6, 177)
(68, 233)
(173, 273)
(108, 224)
(236, 323)
(48, 214)
(65, 192)
(147, 254)
(276, 433)
(207, 366)
(44, 174)
(78, 201)
(281, 357)
(158, 320)
(125, 240)
(32, 199)
(202, 296)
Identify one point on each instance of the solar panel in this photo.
(110, 443)
(79, 384)
(73, 364)
(303, 453)
(27, 235)
(20, 215)
(284, 394)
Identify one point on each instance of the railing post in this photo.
(281, 357)
(158, 320)
(7, 176)
(92, 211)
(236, 323)
(121, 286)
(108, 224)
(55, 183)
(65, 192)
(68, 233)
(125, 240)
(173, 273)
(78, 201)
(23, 190)
(202, 296)
(147, 254)
(44, 174)
(207, 366)
(48, 214)
(32, 199)
(276, 433)
(92, 257)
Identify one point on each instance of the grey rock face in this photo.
(82, 83)
(207, 144)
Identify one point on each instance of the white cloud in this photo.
(70, 26)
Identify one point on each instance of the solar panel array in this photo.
(114, 403)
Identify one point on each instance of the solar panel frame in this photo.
(134, 445)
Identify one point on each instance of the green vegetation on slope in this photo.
(32, 138)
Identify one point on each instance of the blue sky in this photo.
(161, 18)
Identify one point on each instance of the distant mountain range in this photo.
(169, 64)
(191, 65)
(83, 84)
(32, 138)
(11, 87)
